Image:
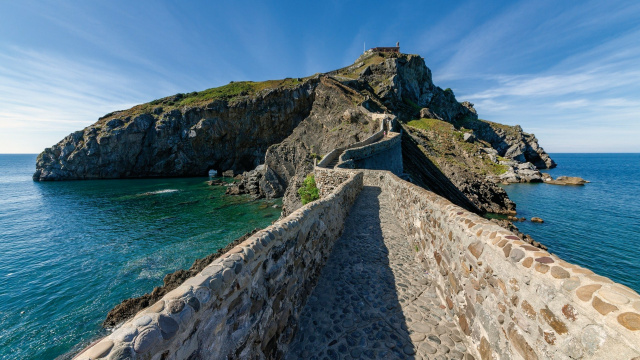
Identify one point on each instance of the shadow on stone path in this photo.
(373, 300)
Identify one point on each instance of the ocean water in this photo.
(596, 225)
(70, 251)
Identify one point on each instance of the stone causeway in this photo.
(379, 268)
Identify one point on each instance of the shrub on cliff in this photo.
(308, 191)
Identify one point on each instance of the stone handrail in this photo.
(351, 155)
(244, 304)
(507, 296)
(329, 157)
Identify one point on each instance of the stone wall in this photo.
(327, 180)
(245, 304)
(327, 159)
(511, 299)
(385, 154)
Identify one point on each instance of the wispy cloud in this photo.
(52, 96)
(592, 89)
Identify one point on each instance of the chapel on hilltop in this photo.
(391, 49)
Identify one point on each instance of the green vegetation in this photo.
(353, 72)
(308, 191)
(493, 168)
(227, 92)
(432, 124)
(446, 143)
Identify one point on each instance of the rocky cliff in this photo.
(285, 125)
(183, 135)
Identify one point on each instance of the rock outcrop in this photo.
(521, 172)
(271, 132)
(164, 139)
(511, 142)
(333, 122)
(565, 180)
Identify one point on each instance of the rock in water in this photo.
(537, 220)
(567, 180)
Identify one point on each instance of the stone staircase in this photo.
(334, 162)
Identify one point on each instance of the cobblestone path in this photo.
(373, 300)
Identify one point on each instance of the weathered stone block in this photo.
(476, 248)
(603, 307)
(554, 321)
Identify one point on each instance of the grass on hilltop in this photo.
(229, 92)
(447, 143)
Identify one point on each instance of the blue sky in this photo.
(567, 71)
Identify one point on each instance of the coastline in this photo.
(595, 225)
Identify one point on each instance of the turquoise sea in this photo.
(70, 251)
(596, 225)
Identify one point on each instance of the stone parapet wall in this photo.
(327, 159)
(246, 303)
(327, 180)
(511, 299)
(385, 154)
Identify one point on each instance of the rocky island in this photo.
(277, 128)
(392, 261)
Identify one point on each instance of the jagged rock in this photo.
(220, 134)
(536, 220)
(366, 72)
(425, 113)
(469, 106)
(469, 137)
(525, 172)
(492, 154)
(235, 190)
(511, 143)
(259, 183)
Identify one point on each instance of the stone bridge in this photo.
(380, 268)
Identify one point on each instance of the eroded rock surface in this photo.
(222, 134)
(287, 124)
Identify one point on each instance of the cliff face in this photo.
(335, 120)
(221, 134)
(286, 124)
(512, 143)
